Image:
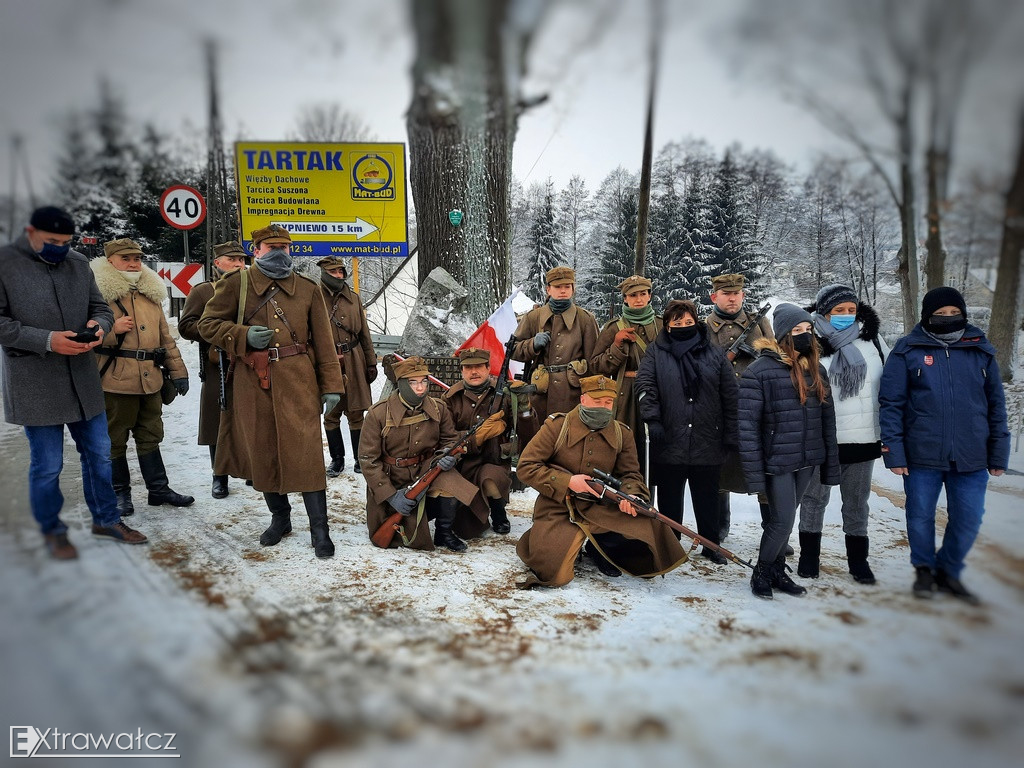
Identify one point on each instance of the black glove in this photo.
(371, 373)
(656, 431)
(447, 462)
(181, 385)
(401, 504)
(541, 340)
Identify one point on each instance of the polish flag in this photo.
(493, 335)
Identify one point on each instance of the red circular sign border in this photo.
(187, 188)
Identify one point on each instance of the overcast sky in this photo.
(277, 56)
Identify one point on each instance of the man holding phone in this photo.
(50, 307)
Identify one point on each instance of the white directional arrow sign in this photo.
(359, 228)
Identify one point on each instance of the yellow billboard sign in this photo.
(334, 199)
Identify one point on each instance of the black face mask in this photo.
(939, 324)
(802, 342)
(685, 333)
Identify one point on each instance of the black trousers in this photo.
(671, 479)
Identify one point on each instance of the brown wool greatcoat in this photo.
(427, 436)
(272, 437)
(188, 327)
(559, 528)
(609, 359)
(127, 376)
(722, 333)
(573, 337)
(349, 326)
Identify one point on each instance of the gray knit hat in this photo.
(831, 295)
(786, 318)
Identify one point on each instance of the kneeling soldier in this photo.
(565, 451)
(400, 437)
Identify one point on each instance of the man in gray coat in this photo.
(51, 317)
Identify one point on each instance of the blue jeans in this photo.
(965, 504)
(46, 447)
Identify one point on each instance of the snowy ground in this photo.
(265, 656)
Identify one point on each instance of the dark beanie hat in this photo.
(940, 297)
(833, 294)
(49, 218)
(786, 318)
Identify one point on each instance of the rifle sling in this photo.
(120, 341)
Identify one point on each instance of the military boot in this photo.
(121, 477)
(782, 582)
(443, 536)
(319, 534)
(152, 465)
(336, 446)
(219, 488)
(604, 565)
(280, 521)
(761, 580)
(499, 518)
(809, 564)
(354, 434)
(857, 557)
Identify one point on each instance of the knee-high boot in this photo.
(499, 518)
(219, 489)
(354, 434)
(857, 557)
(336, 446)
(319, 535)
(280, 518)
(443, 536)
(152, 465)
(810, 555)
(122, 480)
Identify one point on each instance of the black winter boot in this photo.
(724, 516)
(443, 536)
(761, 580)
(122, 481)
(499, 518)
(952, 586)
(782, 582)
(152, 465)
(319, 535)
(354, 434)
(336, 446)
(219, 488)
(280, 521)
(604, 565)
(857, 557)
(924, 582)
(810, 554)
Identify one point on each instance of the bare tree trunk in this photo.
(1006, 304)
(937, 170)
(470, 56)
(908, 266)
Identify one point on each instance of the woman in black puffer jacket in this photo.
(688, 396)
(787, 428)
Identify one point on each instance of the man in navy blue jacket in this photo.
(943, 423)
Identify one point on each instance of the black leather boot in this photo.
(810, 555)
(724, 516)
(319, 534)
(122, 481)
(782, 582)
(857, 557)
(499, 518)
(152, 465)
(443, 536)
(354, 434)
(280, 520)
(604, 565)
(219, 488)
(336, 446)
(761, 580)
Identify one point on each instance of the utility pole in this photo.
(218, 205)
(644, 201)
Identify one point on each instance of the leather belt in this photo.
(133, 354)
(343, 348)
(276, 353)
(557, 368)
(408, 461)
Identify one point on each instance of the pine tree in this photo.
(545, 248)
(575, 216)
(617, 257)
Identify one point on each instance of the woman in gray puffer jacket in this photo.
(787, 430)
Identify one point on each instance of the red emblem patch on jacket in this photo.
(929, 360)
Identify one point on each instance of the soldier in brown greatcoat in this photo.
(469, 401)
(558, 340)
(567, 449)
(228, 257)
(620, 348)
(726, 322)
(285, 371)
(400, 437)
(358, 360)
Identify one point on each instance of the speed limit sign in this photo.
(182, 207)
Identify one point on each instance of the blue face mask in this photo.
(842, 322)
(54, 254)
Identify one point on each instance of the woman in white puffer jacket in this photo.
(853, 354)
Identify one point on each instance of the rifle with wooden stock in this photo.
(740, 345)
(383, 536)
(607, 489)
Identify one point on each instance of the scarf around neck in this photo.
(643, 316)
(849, 370)
(682, 351)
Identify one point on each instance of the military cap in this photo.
(123, 246)
(273, 235)
(731, 282)
(560, 276)
(52, 219)
(411, 367)
(599, 386)
(333, 262)
(633, 284)
(230, 249)
(474, 356)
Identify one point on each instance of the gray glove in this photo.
(258, 336)
(330, 401)
(447, 462)
(181, 385)
(541, 340)
(401, 504)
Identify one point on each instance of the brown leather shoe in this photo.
(59, 547)
(119, 532)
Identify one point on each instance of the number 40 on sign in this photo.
(182, 207)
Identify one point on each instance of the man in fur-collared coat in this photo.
(567, 449)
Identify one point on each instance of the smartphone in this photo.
(88, 336)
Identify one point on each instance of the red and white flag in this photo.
(493, 335)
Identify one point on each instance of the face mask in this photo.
(132, 277)
(409, 397)
(595, 417)
(727, 315)
(685, 333)
(802, 343)
(559, 305)
(54, 254)
(476, 389)
(332, 282)
(842, 322)
(275, 264)
(945, 324)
